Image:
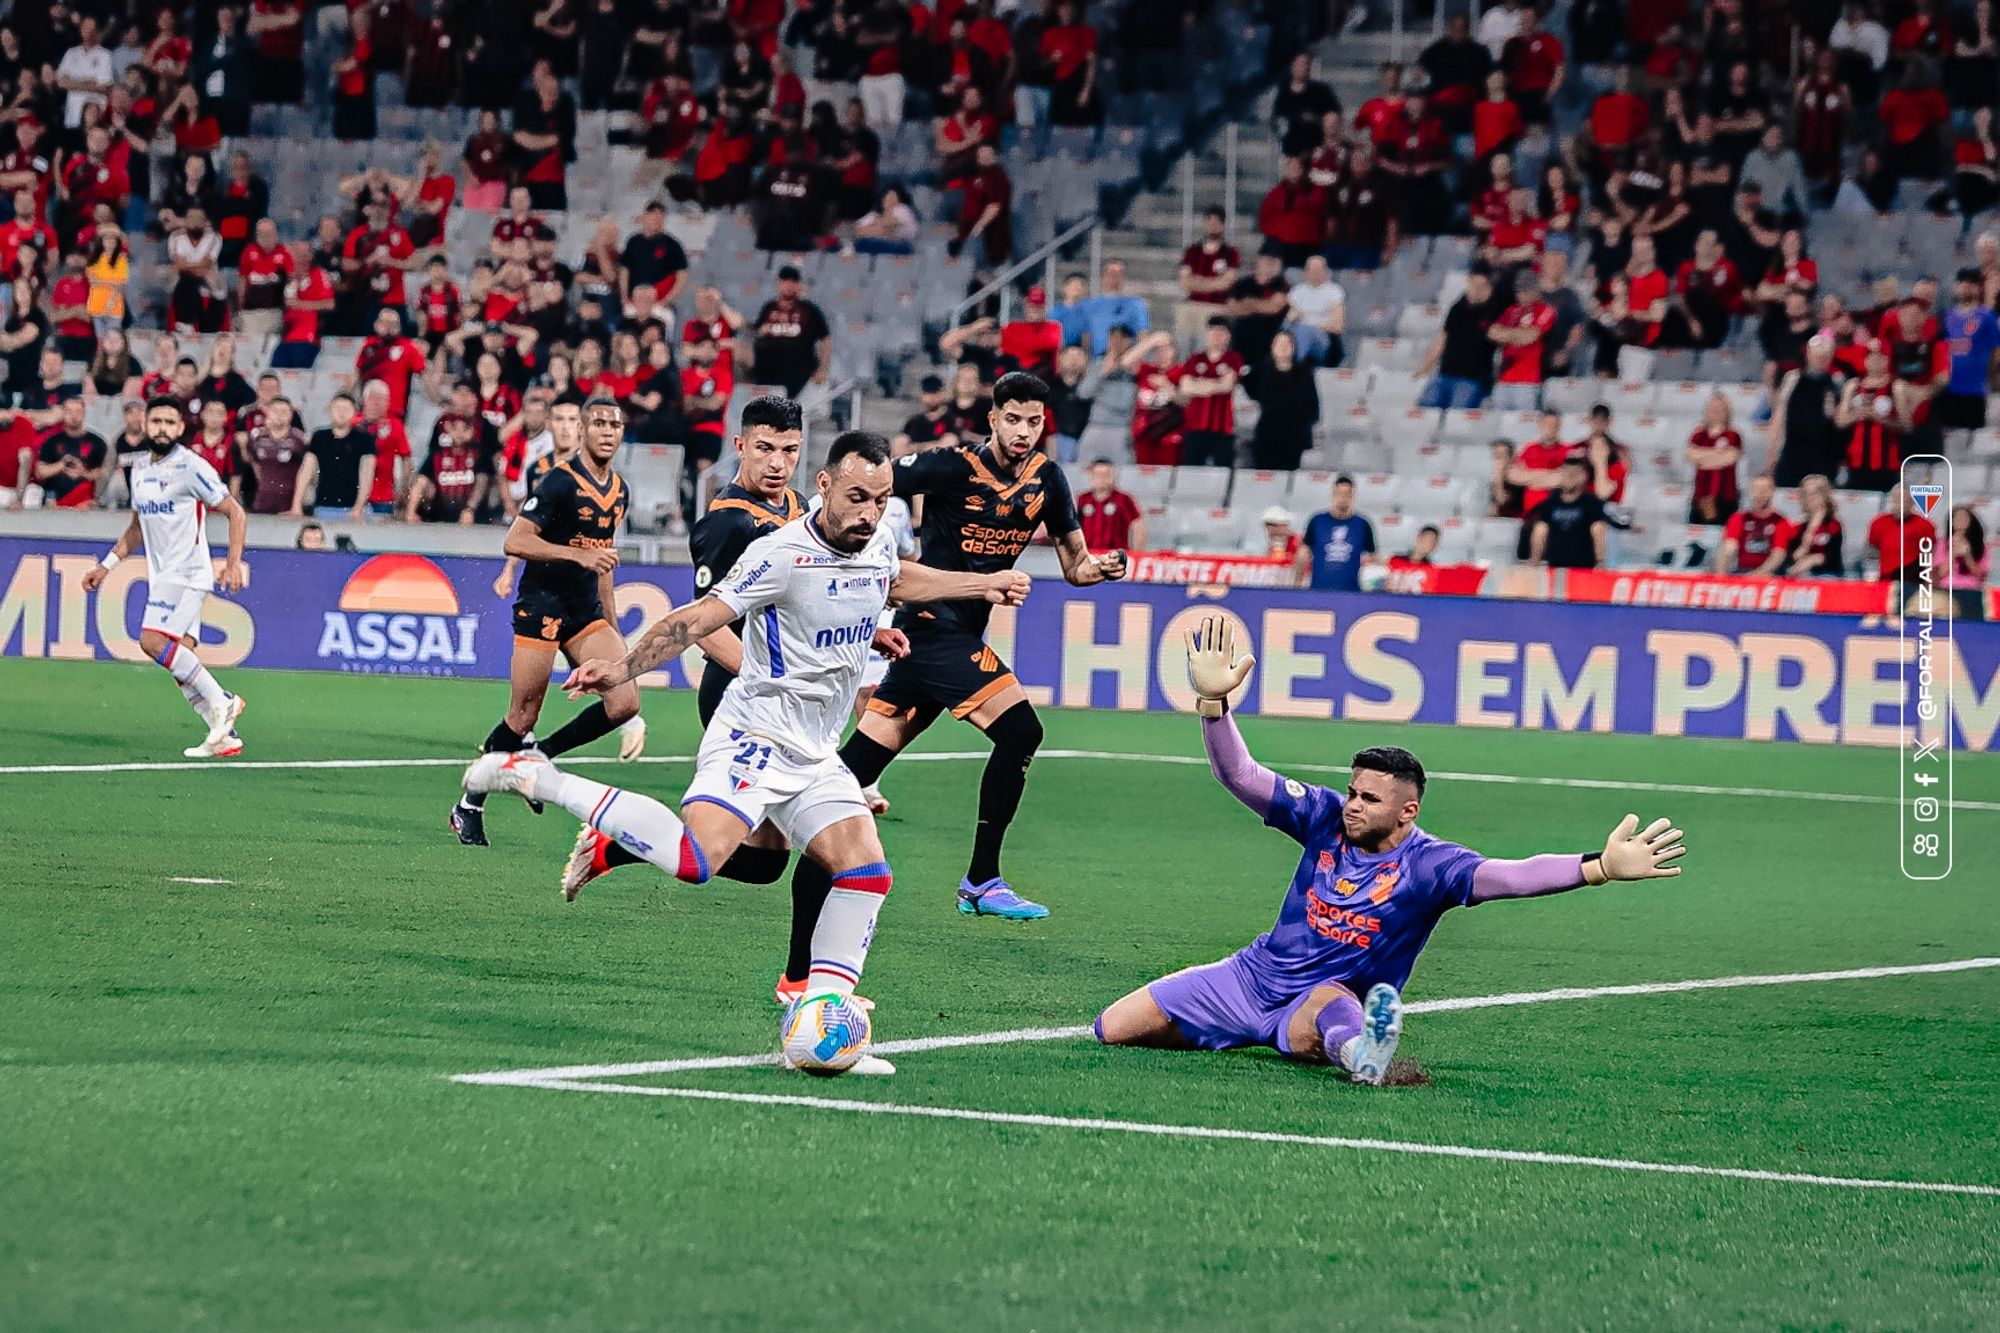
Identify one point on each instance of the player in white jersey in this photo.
(897, 522)
(172, 492)
(810, 595)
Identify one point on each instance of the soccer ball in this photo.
(824, 1034)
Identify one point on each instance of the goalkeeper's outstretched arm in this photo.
(1629, 853)
(1229, 759)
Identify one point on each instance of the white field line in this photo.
(196, 879)
(538, 1077)
(1263, 1136)
(949, 756)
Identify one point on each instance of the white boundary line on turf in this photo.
(948, 756)
(1265, 1136)
(538, 1077)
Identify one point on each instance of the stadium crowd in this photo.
(1641, 187)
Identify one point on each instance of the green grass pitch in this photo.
(227, 1105)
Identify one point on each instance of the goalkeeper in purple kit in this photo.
(1324, 985)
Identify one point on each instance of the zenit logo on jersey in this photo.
(399, 613)
(1926, 498)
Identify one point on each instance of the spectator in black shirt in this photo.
(789, 209)
(1301, 102)
(43, 399)
(1069, 407)
(1284, 390)
(967, 410)
(72, 462)
(1256, 309)
(792, 342)
(335, 460)
(927, 427)
(1568, 528)
(1457, 64)
(1461, 355)
(545, 135)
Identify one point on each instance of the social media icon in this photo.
(1926, 811)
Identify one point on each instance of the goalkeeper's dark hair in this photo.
(871, 448)
(1393, 760)
(773, 412)
(1019, 387)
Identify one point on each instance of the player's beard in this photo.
(161, 448)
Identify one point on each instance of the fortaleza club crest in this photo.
(1926, 498)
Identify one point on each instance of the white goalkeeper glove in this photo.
(1630, 853)
(1214, 669)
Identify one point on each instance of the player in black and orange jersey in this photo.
(982, 504)
(566, 533)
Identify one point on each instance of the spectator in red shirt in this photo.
(1522, 332)
(1206, 384)
(1497, 122)
(1032, 341)
(1157, 417)
(392, 449)
(1874, 426)
(376, 254)
(1111, 519)
(262, 271)
(1293, 215)
(1537, 468)
(1533, 60)
(1923, 34)
(1713, 451)
(987, 213)
(1069, 46)
(1519, 238)
(1753, 541)
(391, 360)
(1912, 114)
(1382, 115)
(1209, 269)
(1618, 120)
(1897, 535)
(309, 298)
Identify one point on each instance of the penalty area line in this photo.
(960, 756)
(915, 1045)
(1266, 1136)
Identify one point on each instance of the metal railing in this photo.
(1003, 281)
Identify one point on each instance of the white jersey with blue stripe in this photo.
(171, 497)
(810, 614)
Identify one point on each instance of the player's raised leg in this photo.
(686, 849)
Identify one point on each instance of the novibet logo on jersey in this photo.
(399, 613)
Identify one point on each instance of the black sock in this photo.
(810, 886)
(1016, 734)
(866, 759)
(503, 739)
(580, 730)
(756, 865)
(615, 855)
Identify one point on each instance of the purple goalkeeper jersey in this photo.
(1352, 916)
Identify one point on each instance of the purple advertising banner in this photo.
(1462, 661)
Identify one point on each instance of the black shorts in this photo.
(1959, 411)
(948, 670)
(708, 693)
(546, 618)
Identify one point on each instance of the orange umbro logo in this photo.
(974, 503)
(1385, 883)
(584, 512)
(986, 660)
(1326, 861)
(551, 626)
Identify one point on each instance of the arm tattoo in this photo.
(663, 642)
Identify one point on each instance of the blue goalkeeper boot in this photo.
(996, 897)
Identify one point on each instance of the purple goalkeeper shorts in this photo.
(1220, 1006)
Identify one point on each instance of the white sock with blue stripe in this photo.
(198, 687)
(846, 928)
(639, 824)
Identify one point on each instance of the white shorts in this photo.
(758, 780)
(174, 609)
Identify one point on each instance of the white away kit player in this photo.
(810, 595)
(172, 492)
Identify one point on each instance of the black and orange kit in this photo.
(735, 518)
(559, 601)
(978, 518)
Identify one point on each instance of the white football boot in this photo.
(1368, 1053)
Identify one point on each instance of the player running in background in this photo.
(810, 594)
(566, 533)
(1324, 985)
(981, 504)
(566, 435)
(171, 492)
